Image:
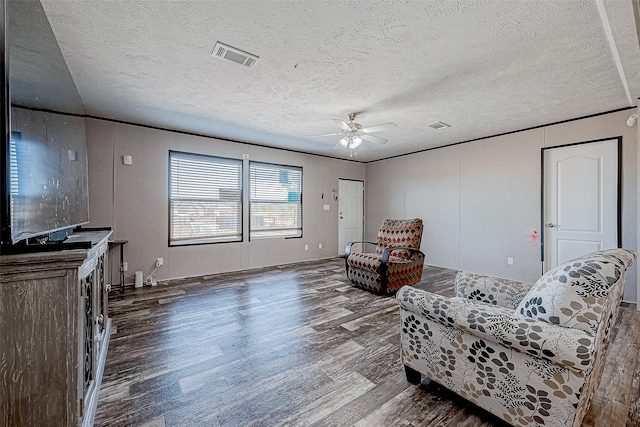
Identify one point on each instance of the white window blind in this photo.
(14, 187)
(275, 201)
(205, 199)
(13, 166)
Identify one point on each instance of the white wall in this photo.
(133, 200)
(480, 201)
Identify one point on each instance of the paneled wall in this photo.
(134, 201)
(481, 201)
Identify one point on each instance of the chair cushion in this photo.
(573, 294)
(371, 262)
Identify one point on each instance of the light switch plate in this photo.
(326, 207)
(127, 160)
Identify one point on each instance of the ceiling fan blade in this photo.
(343, 125)
(378, 128)
(374, 139)
(324, 134)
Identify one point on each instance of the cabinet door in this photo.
(87, 306)
(34, 356)
(101, 296)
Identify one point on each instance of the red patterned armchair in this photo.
(396, 262)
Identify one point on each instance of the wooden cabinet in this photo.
(54, 333)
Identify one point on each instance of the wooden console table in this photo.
(54, 333)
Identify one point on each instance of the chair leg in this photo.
(384, 280)
(414, 377)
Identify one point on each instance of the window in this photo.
(275, 203)
(14, 188)
(14, 183)
(205, 199)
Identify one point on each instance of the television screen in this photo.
(46, 152)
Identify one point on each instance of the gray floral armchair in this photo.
(532, 354)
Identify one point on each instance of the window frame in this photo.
(205, 241)
(249, 199)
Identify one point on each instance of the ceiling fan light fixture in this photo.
(352, 135)
(355, 142)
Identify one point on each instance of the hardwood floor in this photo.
(297, 346)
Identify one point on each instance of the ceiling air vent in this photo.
(232, 54)
(439, 125)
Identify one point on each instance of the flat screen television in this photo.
(44, 157)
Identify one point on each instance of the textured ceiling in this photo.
(484, 68)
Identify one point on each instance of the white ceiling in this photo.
(483, 67)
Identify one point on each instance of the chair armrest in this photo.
(490, 290)
(571, 348)
(347, 249)
(387, 252)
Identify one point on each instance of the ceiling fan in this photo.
(353, 133)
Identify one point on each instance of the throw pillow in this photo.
(573, 294)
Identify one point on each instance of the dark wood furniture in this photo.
(54, 333)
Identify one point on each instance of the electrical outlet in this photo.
(125, 266)
(510, 261)
(159, 262)
(306, 247)
(319, 245)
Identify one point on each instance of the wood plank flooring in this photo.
(296, 345)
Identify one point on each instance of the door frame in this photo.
(364, 232)
(618, 198)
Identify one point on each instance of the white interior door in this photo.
(580, 200)
(350, 212)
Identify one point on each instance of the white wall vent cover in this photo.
(232, 54)
(439, 125)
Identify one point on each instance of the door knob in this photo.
(552, 225)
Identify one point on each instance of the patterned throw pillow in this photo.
(573, 294)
